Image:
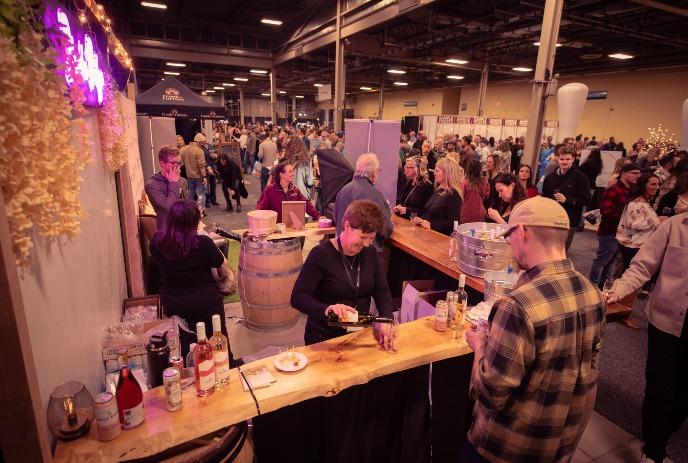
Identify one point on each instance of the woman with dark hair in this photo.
(492, 170)
(186, 259)
(297, 155)
(638, 222)
(668, 185)
(475, 191)
(230, 175)
(525, 179)
(342, 274)
(282, 189)
(676, 201)
(510, 193)
(592, 167)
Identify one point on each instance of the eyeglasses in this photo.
(176, 164)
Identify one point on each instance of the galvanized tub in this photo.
(477, 253)
(498, 285)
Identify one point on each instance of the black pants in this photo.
(665, 406)
(211, 197)
(627, 254)
(225, 191)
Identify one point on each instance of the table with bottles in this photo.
(333, 366)
(432, 248)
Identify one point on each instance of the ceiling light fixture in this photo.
(455, 61)
(537, 44)
(366, 88)
(228, 85)
(396, 71)
(176, 65)
(401, 84)
(241, 79)
(455, 77)
(282, 92)
(210, 91)
(317, 85)
(621, 56)
(521, 69)
(258, 71)
(171, 73)
(299, 96)
(219, 88)
(272, 22)
(159, 6)
(264, 94)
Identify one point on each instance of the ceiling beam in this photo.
(662, 6)
(193, 56)
(327, 34)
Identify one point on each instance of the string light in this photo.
(661, 138)
(98, 12)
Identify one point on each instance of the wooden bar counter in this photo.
(310, 229)
(432, 248)
(333, 366)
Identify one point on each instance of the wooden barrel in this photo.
(267, 273)
(231, 444)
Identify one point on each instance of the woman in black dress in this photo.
(444, 206)
(341, 274)
(186, 258)
(417, 190)
(230, 174)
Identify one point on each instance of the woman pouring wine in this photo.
(342, 274)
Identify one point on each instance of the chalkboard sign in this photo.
(232, 150)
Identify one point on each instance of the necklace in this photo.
(351, 263)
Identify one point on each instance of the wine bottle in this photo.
(204, 363)
(462, 300)
(228, 234)
(221, 354)
(358, 320)
(128, 395)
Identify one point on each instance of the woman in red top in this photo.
(281, 189)
(525, 178)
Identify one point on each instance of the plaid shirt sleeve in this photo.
(509, 349)
(609, 206)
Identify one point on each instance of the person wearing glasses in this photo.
(536, 363)
(417, 190)
(163, 188)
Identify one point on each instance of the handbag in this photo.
(242, 189)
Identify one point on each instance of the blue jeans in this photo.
(197, 191)
(602, 265)
(249, 160)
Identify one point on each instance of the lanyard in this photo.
(410, 193)
(348, 274)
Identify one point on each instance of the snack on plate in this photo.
(479, 312)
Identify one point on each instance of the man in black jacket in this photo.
(569, 187)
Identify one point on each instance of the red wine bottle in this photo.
(128, 395)
(358, 320)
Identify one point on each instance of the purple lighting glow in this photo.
(71, 40)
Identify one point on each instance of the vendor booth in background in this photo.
(158, 108)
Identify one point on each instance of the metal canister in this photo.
(107, 417)
(172, 383)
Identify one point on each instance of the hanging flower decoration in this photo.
(44, 141)
(111, 127)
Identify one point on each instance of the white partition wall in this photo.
(381, 138)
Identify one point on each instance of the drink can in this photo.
(177, 362)
(172, 383)
(107, 416)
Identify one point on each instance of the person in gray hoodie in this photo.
(163, 188)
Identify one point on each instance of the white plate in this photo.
(283, 362)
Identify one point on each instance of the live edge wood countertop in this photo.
(333, 365)
(432, 248)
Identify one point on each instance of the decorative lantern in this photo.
(70, 411)
(570, 103)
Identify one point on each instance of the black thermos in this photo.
(158, 358)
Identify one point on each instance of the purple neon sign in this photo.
(71, 40)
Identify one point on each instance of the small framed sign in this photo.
(294, 214)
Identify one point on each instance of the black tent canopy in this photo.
(171, 98)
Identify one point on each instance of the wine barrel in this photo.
(267, 273)
(231, 444)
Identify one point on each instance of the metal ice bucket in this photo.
(478, 255)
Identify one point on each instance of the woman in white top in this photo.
(639, 220)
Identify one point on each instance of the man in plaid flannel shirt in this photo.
(613, 202)
(535, 369)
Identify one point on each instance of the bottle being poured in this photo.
(356, 320)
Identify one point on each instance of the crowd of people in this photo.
(529, 348)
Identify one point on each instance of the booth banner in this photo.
(479, 120)
(510, 122)
(447, 119)
(325, 92)
(465, 120)
(495, 121)
(131, 146)
(551, 124)
(523, 122)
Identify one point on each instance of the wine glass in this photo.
(394, 332)
(608, 284)
(412, 217)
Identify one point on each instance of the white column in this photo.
(273, 96)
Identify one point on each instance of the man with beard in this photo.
(536, 364)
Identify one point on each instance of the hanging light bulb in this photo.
(82, 18)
